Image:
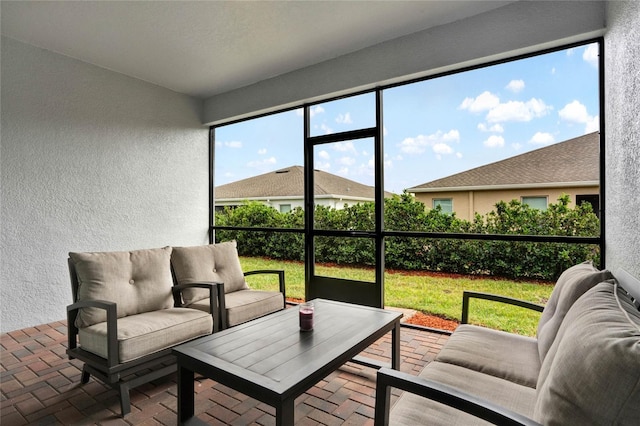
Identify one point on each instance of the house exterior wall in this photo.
(91, 160)
(622, 144)
(467, 203)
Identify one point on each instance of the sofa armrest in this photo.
(112, 326)
(281, 281)
(216, 298)
(466, 295)
(388, 378)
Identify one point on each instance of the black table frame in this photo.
(235, 357)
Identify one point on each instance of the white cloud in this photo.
(313, 111)
(326, 129)
(420, 143)
(266, 162)
(494, 141)
(515, 86)
(415, 145)
(590, 54)
(316, 110)
(442, 148)
(518, 111)
(483, 102)
(542, 138)
(517, 146)
(570, 52)
(324, 155)
(451, 136)
(233, 144)
(326, 166)
(574, 112)
(498, 112)
(592, 125)
(344, 118)
(347, 161)
(553, 70)
(388, 162)
(262, 151)
(458, 154)
(344, 147)
(497, 128)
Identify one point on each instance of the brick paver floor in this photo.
(41, 386)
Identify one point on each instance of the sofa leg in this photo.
(84, 379)
(125, 403)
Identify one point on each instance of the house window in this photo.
(446, 204)
(593, 199)
(285, 208)
(539, 203)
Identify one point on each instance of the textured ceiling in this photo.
(204, 48)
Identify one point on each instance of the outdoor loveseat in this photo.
(130, 308)
(583, 367)
(124, 317)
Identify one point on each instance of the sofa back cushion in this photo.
(592, 372)
(210, 263)
(137, 281)
(572, 284)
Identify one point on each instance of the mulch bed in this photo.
(432, 321)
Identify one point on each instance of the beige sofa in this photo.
(123, 322)
(583, 367)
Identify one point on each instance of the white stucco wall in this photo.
(91, 160)
(622, 100)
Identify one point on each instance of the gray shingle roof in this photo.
(573, 161)
(289, 182)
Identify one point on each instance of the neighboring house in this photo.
(536, 178)
(284, 190)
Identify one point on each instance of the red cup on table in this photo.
(306, 316)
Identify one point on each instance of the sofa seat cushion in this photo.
(505, 355)
(246, 305)
(412, 410)
(209, 263)
(592, 372)
(149, 332)
(137, 281)
(571, 284)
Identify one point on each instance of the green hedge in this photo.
(403, 213)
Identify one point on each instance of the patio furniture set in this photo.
(140, 315)
(582, 369)
(131, 308)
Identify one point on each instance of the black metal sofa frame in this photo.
(475, 405)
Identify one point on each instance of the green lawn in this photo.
(438, 295)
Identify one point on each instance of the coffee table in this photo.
(271, 360)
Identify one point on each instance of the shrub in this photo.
(514, 259)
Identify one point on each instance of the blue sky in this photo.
(433, 128)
